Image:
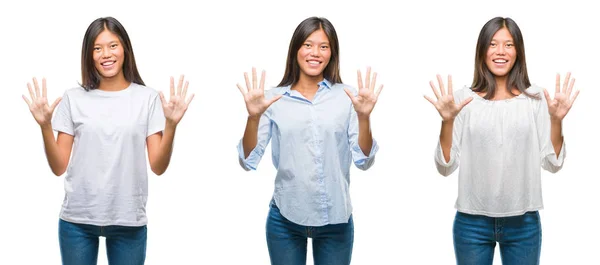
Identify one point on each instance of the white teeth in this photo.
(313, 62)
(500, 61)
(107, 63)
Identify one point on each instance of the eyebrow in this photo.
(504, 40)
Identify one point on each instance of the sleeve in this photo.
(447, 168)
(156, 116)
(264, 136)
(63, 121)
(549, 161)
(361, 161)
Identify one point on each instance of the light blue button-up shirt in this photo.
(313, 145)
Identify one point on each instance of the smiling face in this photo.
(314, 54)
(108, 55)
(501, 54)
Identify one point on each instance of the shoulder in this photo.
(535, 90)
(143, 90)
(463, 93)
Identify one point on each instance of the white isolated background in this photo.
(206, 210)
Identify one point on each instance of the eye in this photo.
(493, 45)
(510, 45)
(324, 47)
(114, 45)
(307, 45)
(96, 49)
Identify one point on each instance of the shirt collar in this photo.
(323, 84)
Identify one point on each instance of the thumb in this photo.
(55, 103)
(464, 103)
(272, 100)
(349, 94)
(547, 96)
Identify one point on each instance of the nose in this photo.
(315, 51)
(106, 53)
(500, 49)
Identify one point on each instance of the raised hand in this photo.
(254, 95)
(177, 104)
(365, 100)
(562, 102)
(445, 101)
(41, 111)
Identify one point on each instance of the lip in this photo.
(500, 62)
(108, 64)
(314, 63)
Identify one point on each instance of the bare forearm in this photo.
(556, 135)
(163, 156)
(250, 135)
(446, 138)
(365, 138)
(57, 162)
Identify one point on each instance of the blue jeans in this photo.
(475, 237)
(332, 244)
(125, 245)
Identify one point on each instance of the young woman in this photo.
(107, 123)
(501, 130)
(318, 127)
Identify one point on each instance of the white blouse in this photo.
(500, 146)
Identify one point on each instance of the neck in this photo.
(308, 84)
(115, 83)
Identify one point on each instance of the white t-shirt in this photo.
(500, 146)
(107, 178)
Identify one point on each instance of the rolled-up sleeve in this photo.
(549, 160)
(264, 136)
(447, 168)
(360, 160)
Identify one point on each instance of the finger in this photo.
(441, 83)
(37, 88)
(272, 100)
(566, 82)
(368, 76)
(185, 89)
(437, 95)
(378, 91)
(248, 86)
(349, 95)
(241, 89)
(547, 96)
(570, 89)
(55, 103)
(450, 89)
(557, 88)
(162, 98)
(429, 99)
(172, 85)
(464, 103)
(359, 75)
(262, 80)
(575, 97)
(30, 92)
(26, 101)
(373, 82)
(180, 85)
(254, 78)
(44, 92)
(187, 103)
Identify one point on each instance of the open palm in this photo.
(366, 98)
(254, 95)
(177, 105)
(445, 101)
(563, 100)
(38, 105)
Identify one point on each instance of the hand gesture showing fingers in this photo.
(365, 100)
(41, 111)
(563, 100)
(177, 104)
(254, 95)
(445, 101)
